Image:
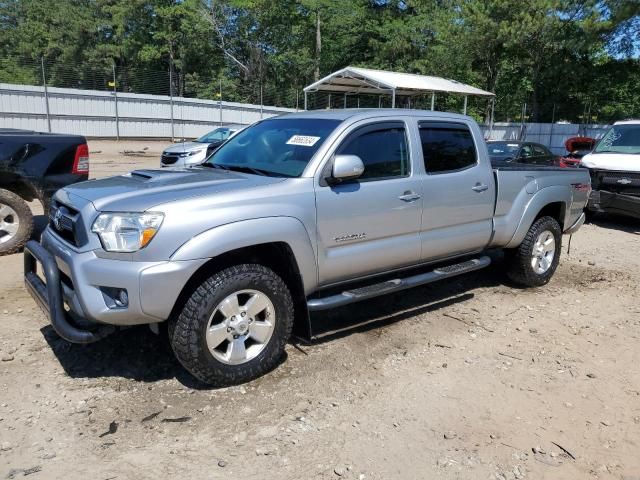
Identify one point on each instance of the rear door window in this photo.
(447, 146)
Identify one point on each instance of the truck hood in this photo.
(622, 162)
(186, 147)
(141, 190)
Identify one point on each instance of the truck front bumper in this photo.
(84, 283)
(617, 203)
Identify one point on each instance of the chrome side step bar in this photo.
(397, 284)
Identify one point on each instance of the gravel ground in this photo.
(472, 378)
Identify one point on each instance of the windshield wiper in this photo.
(211, 165)
(245, 169)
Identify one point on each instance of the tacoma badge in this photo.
(353, 236)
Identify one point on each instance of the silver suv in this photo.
(187, 154)
(295, 214)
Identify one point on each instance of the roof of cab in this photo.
(352, 113)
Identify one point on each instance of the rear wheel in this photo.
(16, 222)
(534, 262)
(235, 326)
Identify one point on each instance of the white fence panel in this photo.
(92, 113)
(553, 135)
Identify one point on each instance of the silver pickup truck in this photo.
(298, 213)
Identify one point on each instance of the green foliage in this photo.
(572, 60)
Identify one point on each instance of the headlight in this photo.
(126, 232)
(192, 153)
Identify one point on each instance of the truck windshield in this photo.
(621, 139)
(279, 147)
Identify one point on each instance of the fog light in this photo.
(122, 298)
(115, 297)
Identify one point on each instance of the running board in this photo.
(397, 284)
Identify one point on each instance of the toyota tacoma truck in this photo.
(295, 214)
(614, 165)
(33, 166)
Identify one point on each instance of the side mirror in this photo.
(345, 167)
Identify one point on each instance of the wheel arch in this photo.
(20, 187)
(276, 256)
(550, 201)
(284, 247)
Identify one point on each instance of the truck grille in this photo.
(627, 183)
(169, 159)
(66, 223)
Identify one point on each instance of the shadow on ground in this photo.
(135, 353)
(389, 309)
(138, 354)
(617, 222)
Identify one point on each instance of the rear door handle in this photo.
(409, 196)
(479, 188)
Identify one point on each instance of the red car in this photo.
(577, 147)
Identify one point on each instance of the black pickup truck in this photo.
(33, 166)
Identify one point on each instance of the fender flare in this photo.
(246, 233)
(542, 198)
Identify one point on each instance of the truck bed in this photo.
(517, 185)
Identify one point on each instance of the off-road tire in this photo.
(518, 260)
(187, 330)
(26, 222)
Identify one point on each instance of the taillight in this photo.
(581, 187)
(81, 161)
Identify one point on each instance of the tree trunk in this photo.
(172, 70)
(535, 105)
(316, 73)
(491, 82)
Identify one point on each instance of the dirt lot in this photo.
(469, 379)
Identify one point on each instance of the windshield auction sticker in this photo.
(303, 140)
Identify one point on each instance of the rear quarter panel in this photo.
(522, 194)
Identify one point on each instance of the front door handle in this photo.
(479, 187)
(409, 196)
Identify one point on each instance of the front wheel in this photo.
(235, 326)
(534, 262)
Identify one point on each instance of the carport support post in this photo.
(553, 119)
(173, 137)
(493, 107)
(393, 98)
(220, 102)
(464, 112)
(305, 100)
(46, 94)
(433, 101)
(115, 99)
(260, 102)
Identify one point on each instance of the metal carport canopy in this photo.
(355, 80)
